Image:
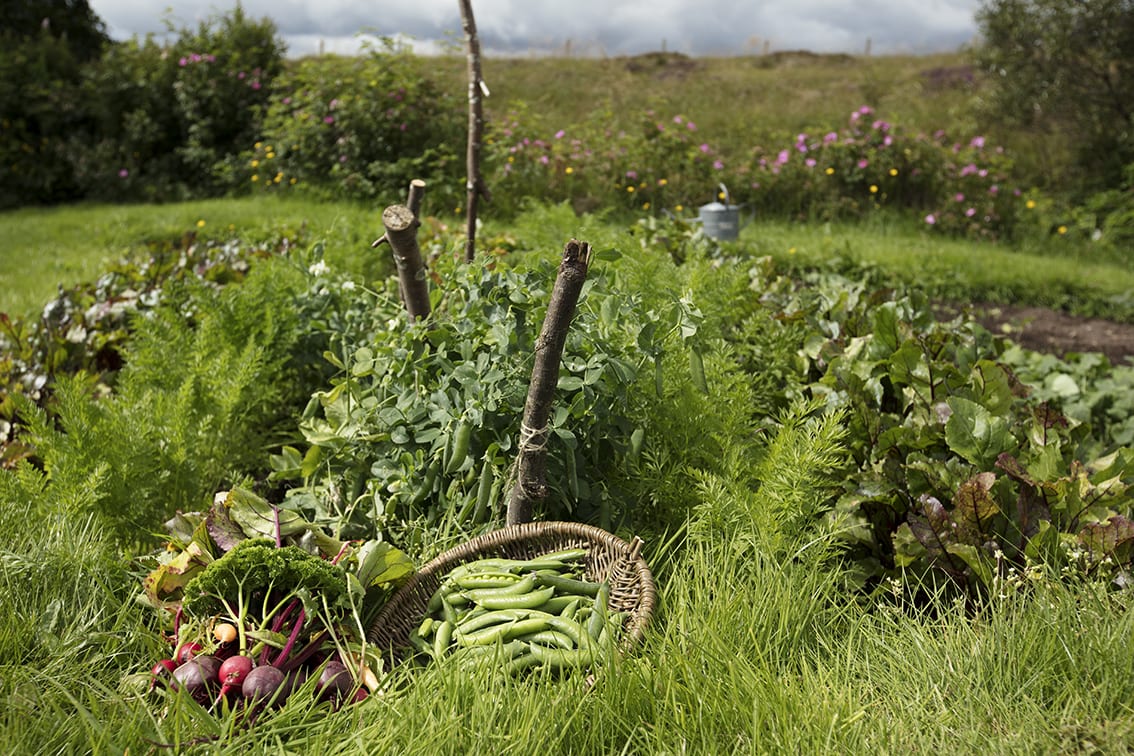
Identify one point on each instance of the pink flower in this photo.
(931, 219)
(705, 148)
(287, 101)
(560, 134)
(863, 163)
(342, 158)
(240, 75)
(718, 164)
(977, 142)
(196, 58)
(543, 159)
(994, 189)
(328, 119)
(970, 212)
(959, 197)
(887, 140)
(809, 162)
(123, 173)
(968, 170)
(782, 158)
(631, 174)
(256, 85)
(691, 126)
(678, 119)
(183, 62)
(831, 137)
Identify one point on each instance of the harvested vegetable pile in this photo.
(520, 615)
(261, 602)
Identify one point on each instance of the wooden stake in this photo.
(474, 184)
(531, 459)
(401, 233)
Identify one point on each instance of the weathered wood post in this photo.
(474, 184)
(401, 233)
(531, 459)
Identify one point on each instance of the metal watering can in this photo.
(720, 221)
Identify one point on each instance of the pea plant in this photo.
(417, 433)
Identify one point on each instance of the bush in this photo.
(358, 128)
(1068, 66)
(225, 72)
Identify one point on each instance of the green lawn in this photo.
(42, 248)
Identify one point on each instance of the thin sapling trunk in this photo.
(474, 185)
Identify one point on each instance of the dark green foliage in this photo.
(71, 21)
(1066, 65)
(358, 128)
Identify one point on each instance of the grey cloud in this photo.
(598, 26)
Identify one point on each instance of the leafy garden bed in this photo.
(764, 418)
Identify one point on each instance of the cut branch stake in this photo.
(401, 233)
(531, 459)
(474, 184)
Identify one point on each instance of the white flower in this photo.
(348, 285)
(318, 269)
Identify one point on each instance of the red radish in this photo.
(163, 670)
(186, 651)
(232, 673)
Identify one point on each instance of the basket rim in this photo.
(516, 534)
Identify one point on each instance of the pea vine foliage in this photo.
(417, 433)
(962, 476)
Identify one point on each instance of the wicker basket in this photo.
(609, 558)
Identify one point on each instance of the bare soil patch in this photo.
(1053, 332)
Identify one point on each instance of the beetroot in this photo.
(262, 683)
(335, 683)
(198, 676)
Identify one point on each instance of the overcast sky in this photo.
(596, 27)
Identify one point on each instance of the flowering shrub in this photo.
(224, 73)
(661, 164)
(357, 128)
(668, 165)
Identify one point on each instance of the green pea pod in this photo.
(500, 616)
(566, 555)
(550, 638)
(568, 585)
(486, 580)
(521, 663)
(503, 632)
(462, 439)
(442, 639)
(522, 586)
(572, 475)
(425, 628)
(697, 371)
(426, 486)
(484, 489)
(570, 628)
(558, 658)
(597, 619)
(531, 600)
